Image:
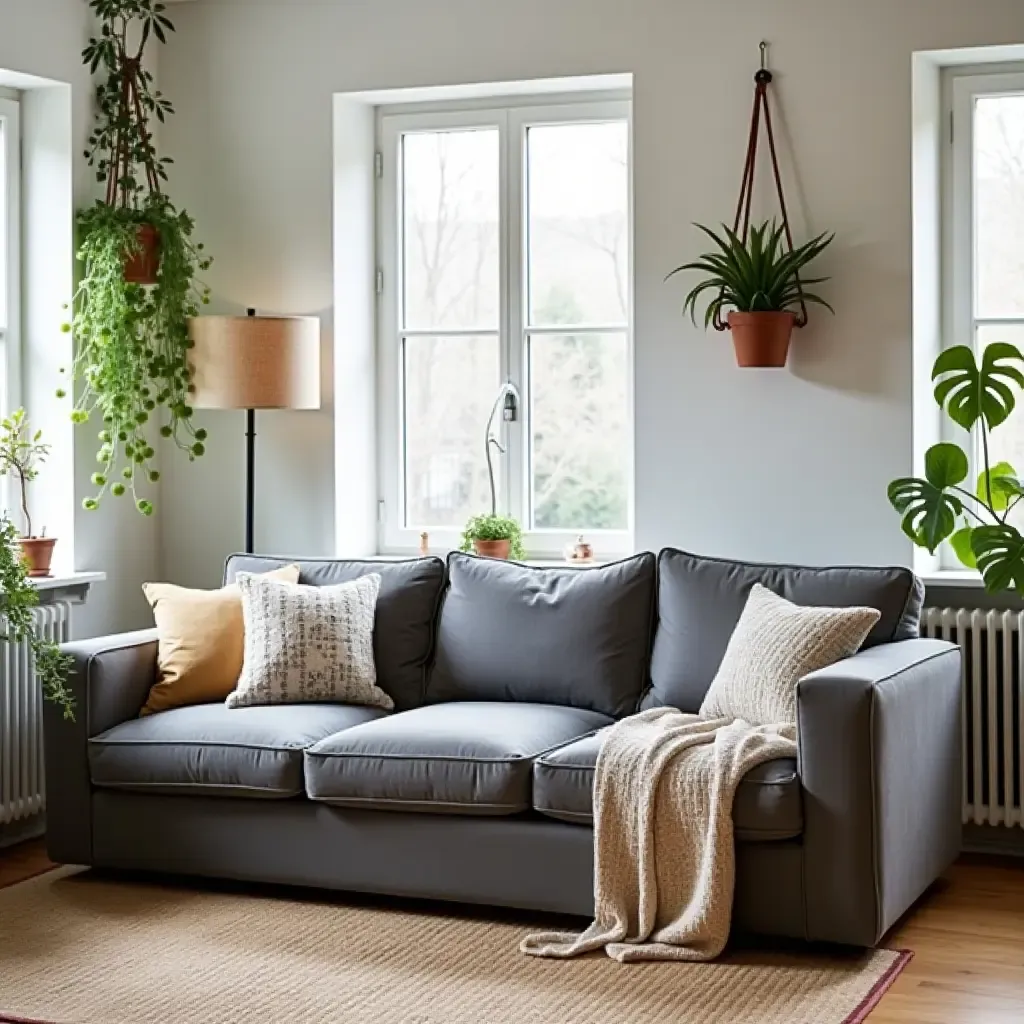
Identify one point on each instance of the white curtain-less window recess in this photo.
(504, 242)
(984, 240)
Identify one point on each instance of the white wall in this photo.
(785, 465)
(44, 38)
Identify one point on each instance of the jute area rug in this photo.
(81, 948)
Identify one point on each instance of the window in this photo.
(984, 236)
(504, 240)
(10, 255)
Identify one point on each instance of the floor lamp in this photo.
(255, 362)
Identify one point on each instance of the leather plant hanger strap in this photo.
(762, 80)
(123, 160)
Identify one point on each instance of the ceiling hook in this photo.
(764, 55)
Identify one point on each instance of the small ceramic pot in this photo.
(37, 554)
(492, 548)
(141, 266)
(761, 339)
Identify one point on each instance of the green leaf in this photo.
(1000, 481)
(945, 465)
(968, 393)
(929, 513)
(999, 551)
(961, 545)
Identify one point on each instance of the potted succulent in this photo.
(139, 280)
(975, 518)
(21, 454)
(493, 536)
(756, 282)
(17, 599)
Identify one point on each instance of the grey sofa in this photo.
(478, 787)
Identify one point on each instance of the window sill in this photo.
(66, 586)
(959, 578)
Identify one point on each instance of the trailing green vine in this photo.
(18, 597)
(130, 369)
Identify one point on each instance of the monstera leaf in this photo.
(999, 551)
(960, 542)
(998, 486)
(968, 394)
(929, 511)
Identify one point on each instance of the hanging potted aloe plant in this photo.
(139, 283)
(756, 283)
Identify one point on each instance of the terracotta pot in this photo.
(492, 548)
(141, 267)
(37, 553)
(761, 339)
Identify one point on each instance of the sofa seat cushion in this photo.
(211, 750)
(459, 758)
(767, 806)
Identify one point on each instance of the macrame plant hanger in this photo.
(762, 80)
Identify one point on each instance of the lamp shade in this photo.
(255, 362)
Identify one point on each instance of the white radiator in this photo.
(993, 709)
(21, 719)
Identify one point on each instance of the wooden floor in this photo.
(967, 936)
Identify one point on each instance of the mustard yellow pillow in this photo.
(201, 641)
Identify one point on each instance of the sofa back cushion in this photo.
(575, 637)
(700, 601)
(404, 618)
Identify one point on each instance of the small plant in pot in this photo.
(756, 283)
(21, 454)
(494, 536)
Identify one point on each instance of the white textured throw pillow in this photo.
(308, 644)
(774, 645)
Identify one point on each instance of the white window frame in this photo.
(960, 322)
(10, 237)
(513, 119)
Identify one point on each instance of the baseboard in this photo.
(1008, 842)
(21, 831)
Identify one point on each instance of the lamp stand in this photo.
(250, 480)
(250, 474)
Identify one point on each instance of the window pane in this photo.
(578, 223)
(999, 205)
(450, 229)
(450, 385)
(4, 278)
(579, 431)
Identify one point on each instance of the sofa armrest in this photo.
(879, 760)
(110, 680)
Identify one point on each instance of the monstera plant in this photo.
(943, 505)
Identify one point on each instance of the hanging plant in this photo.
(755, 288)
(756, 270)
(140, 267)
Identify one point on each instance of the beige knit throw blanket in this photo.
(665, 860)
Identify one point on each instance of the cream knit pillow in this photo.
(308, 644)
(774, 645)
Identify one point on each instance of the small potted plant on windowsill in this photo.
(21, 454)
(494, 537)
(756, 283)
